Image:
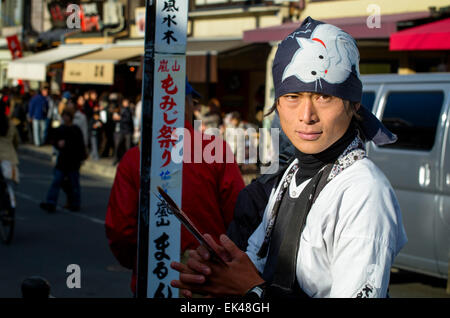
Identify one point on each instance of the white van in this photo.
(417, 109)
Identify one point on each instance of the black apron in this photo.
(280, 268)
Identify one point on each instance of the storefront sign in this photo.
(89, 72)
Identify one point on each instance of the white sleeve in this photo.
(361, 268)
(365, 242)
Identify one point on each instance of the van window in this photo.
(413, 117)
(367, 99)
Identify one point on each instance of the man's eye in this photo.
(323, 97)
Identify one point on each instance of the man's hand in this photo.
(203, 275)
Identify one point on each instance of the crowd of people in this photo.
(78, 126)
(109, 122)
(240, 134)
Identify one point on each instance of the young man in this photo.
(37, 113)
(68, 140)
(332, 226)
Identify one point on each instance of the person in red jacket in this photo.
(209, 193)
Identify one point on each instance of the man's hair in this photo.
(235, 115)
(350, 107)
(67, 112)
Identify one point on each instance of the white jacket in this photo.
(352, 234)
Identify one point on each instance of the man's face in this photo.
(67, 119)
(235, 122)
(313, 122)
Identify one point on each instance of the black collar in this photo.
(310, 164)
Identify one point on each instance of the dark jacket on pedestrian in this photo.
(73, 152)
(96, 126)
(38, 107)
(126, 121)
(249, 210)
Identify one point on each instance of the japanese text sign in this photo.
(171, 26)
(164, 228)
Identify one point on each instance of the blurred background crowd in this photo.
(110, 122)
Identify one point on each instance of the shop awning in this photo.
(98, 67)
(430, 36)
(213, 47)
(355, 26)
(201, 57)
(34, 67)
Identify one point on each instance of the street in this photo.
(46, 244)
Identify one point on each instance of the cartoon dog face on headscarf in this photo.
(310, 62)
(329, 54)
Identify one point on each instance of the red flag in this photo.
(14, 46)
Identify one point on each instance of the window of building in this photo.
(11, 13)
(414, 118)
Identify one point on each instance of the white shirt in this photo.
(352, 234)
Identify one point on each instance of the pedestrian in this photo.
(68, 139)
(96, 126)
(79, 118)
(9, 142)
(86, 108)
(19, 117)
(242, 138)
(137, 115)
(332, 226)
(209, 192)
(90, 104)
(37, 113)
(124, 130)
(110, 125)
(213, 117)
(66, 96)
(53, 117)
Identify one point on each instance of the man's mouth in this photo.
(310, 136)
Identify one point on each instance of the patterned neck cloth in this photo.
(354, 152)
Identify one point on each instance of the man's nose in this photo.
(307, 112)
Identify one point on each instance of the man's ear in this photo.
(357, 106)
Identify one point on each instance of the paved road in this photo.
(45, 244)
